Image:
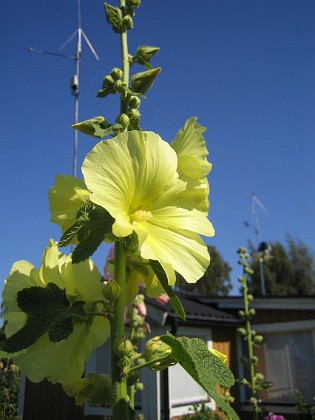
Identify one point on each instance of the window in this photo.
(290, 364)
(183, 390)
(287, 358)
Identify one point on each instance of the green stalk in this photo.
(125, 65)
(121, 402)
(120, 396)
(249, 345)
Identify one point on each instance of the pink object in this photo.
(272, 416)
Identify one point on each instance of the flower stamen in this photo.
(140, 216)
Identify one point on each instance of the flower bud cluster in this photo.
(256, 382)
(121, 17)
(112, 83)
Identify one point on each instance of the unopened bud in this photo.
(133, 4)
(139, 386)
(123, 347)
(141, 82)
(123, 119)
(155, 348)
(116, 73)
(134, 102)
(258, 339)
(241, 331)
(111, 291)
(127, 22)
(144, 54)
(252, 311)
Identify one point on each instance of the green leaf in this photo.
(48, 311)
(175, 302)
(69, 234)
(204, 367)
(78, 227)
(98, 223)
(96, 127)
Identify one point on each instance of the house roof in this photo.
(195, 311)
(263, 302)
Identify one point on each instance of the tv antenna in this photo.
(75, 80)
(263, 250)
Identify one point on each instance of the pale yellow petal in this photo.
(66, 196)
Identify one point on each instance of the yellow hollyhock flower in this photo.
(66, 196)
(134, 177)
(61, 361)
(193, 166)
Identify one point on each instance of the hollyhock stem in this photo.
(121, 404)
(120, 397)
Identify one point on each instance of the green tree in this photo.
(215, 281)
(288, 271)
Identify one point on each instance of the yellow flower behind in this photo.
(66, 196)
(134, 177)
(62, 361)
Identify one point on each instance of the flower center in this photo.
(140, 216)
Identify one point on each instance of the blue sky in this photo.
(245, 68)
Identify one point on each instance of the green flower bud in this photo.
(254, 360)
(123, 119)
(116, 73)
(259, 377)
(114, 17)
(141, 82)
(250, 298)
(241, 313)
(155, 348)
(144, 54)
(127, 22)
(244, 381)
(120, 86)
(111, 291)
(139, 386)
(241, 331)
(133, 4)
(134, 102)
(123, 347)
(108, 81)
(252, 311)
(134, 113)
(258, 339)
(249, 270)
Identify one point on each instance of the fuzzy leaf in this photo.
(97, 223)
(204, 367)
(48, 311)
(175, 302)
(96, 127)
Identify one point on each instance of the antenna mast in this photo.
(74, 83)
(261, 247)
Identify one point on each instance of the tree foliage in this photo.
(216, 280)
(289, 271)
